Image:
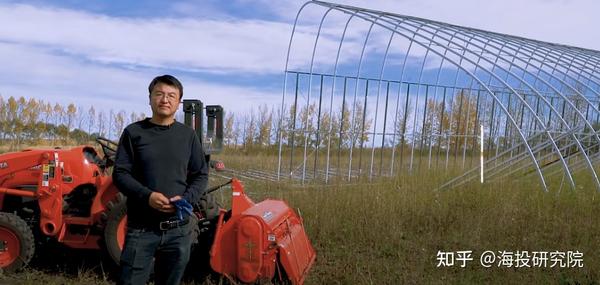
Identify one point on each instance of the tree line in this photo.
(25, 122)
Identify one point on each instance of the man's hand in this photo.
(160, 202)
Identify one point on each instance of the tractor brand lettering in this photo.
(3, 165)
(37, 167)
(267, 215)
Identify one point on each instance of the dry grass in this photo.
(390, 231)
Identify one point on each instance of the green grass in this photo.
(389, 231)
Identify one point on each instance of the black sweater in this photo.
(166, 159)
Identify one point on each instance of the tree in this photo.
(119, 123)
(288, 125)
(111, 120)
(401, 124)
(437, 120)
(464, 119)
(80, 118)
(328, 136)
(228, 131)
(458, 123)
(264, 122)
(80, 136)
(70, 116)
(14, 128)
(360, 126)
(237, 132)
(47, 111)
(101, 124)
(249, 129)
(31, 114)
(3, 118)
(58, 119)
(279, 126)
(91, 119)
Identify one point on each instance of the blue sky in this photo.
(104, 53)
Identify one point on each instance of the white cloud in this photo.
(560, 21)
(32, 72)
(187, 44)
(567, 22)
(215, 46)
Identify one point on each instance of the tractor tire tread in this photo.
(25, 235)
(115, 210)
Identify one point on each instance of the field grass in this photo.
(390, 231)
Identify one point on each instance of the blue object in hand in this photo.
(184, 208)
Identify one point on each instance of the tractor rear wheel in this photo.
(16, 242)
(116, 227)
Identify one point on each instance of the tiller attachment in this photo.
(262, 241)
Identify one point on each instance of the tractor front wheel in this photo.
(16, 242)
(116, 227)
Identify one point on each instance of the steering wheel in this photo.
(109, 148)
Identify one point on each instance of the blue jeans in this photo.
(170, 249)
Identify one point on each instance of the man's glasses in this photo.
(170, 96)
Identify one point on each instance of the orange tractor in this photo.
(68, 195)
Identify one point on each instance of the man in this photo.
(158, 162)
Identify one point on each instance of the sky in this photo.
(232, 53)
